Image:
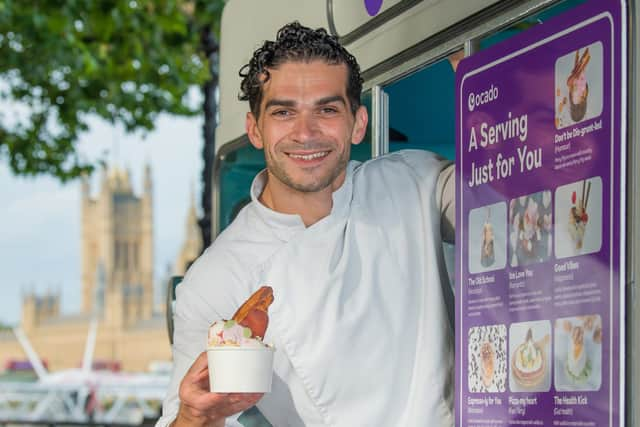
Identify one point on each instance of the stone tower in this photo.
(117, 249)
(39, 308)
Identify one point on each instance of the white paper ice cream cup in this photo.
(240, 369)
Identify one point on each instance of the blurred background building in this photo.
(117, 284)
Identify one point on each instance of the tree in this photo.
(125, 61)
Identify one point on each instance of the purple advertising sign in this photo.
(541, 226)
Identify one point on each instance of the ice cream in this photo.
(597, 335)
(578, 86)
(231, 333)
(529, 235)
(247, 326)
(239, 361)
(487, 254)
(576, 354)
(528, 362)
(578, 217)
(487, 359)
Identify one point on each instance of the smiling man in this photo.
(352, 251)
(306, 130)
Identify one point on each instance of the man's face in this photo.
(306, 126)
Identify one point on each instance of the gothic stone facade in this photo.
(117, 286)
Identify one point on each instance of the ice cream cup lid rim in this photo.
(238, 348)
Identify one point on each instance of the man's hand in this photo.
(200, 407)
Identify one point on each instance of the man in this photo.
(352, 251)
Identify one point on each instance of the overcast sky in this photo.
(40, 218)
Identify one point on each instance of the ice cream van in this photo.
(536, 103)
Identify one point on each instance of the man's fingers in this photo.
(194, 394)
(202, 375)
(217, 401)
(232, 403)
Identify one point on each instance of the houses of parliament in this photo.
(117, 276)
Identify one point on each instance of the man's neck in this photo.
(311, 207)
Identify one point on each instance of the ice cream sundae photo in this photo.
(487, 253)
(577, 366)
(578, 83)
(239, 360)
(487, 359)
(578, 86)
(529, 361)
(578, 216)
(578, 347)
(487, 238)
(578, 210)
(530, 234)
(487, 363)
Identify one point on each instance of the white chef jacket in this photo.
(358, 321)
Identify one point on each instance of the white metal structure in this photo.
(81, 395)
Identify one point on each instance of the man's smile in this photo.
(308, 156)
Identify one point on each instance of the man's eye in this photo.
(329, 110)
(281, 113)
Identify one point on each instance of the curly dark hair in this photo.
(297, 43)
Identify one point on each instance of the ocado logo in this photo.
(485, 97)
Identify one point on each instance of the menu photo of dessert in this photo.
(578, 353)
(578, 211)
(530, 356)
(488, 238)
(487, 359)
(530, 229)
(578, 86)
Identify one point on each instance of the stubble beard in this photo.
(278, 171)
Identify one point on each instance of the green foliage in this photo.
(125, 61)
(4, 327)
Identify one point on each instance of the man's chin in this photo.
(309, 187)
(308, 180)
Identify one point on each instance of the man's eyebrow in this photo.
(291, 103)
(279, 103)
(330, 99)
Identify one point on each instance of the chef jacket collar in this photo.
(286, 224)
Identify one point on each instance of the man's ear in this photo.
(251, 126)
(360, 126)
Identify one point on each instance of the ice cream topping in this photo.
(231, 333)
(247, 326)
(529, 356)
(579, 89)
(577, 363)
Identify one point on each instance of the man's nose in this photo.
(306, 128)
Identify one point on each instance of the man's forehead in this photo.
(318, 66)
(297, 74)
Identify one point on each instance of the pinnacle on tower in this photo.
(148, 182)
(85, 187)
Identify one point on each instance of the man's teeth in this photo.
(309, 156)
